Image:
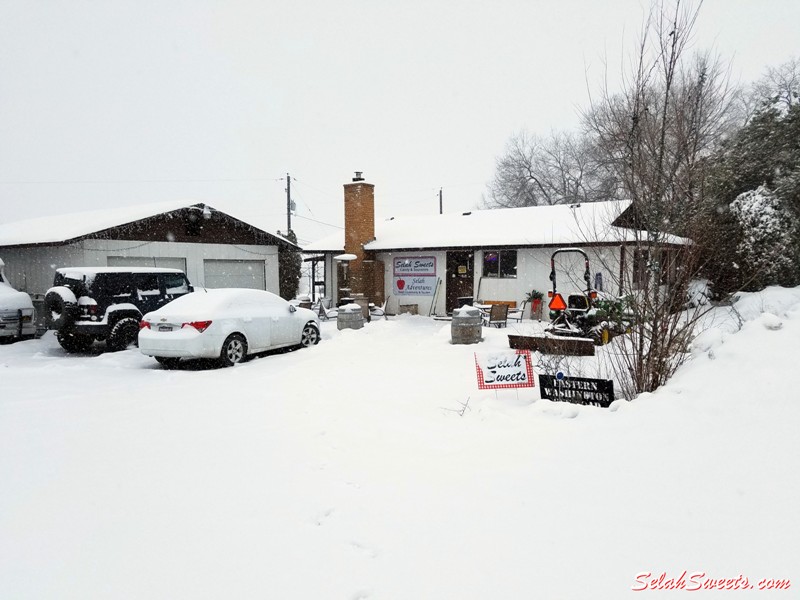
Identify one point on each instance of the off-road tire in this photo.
(234, 350)
(123, 333)
(310, 336)
(61, 307)
(74, 342)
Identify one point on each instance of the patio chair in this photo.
(378, 311)
(498, 316)
(324, 310)
(515, 314)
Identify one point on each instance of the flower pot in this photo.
(536, 309)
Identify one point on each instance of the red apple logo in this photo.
(401, 284)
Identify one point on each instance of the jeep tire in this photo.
(74, 342)
(61, 307)
(123, 333)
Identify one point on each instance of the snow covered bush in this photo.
(698, 293)
(769, 232)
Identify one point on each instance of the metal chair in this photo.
(378, 311)
(498, 316)
(325, 312)
(515, 314)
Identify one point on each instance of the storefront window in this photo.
(500, 263)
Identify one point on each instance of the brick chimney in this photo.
(365, 273)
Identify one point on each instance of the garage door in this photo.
(235, 273)
(165, 262)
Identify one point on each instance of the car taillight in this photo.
(201, 326)
(144, 325)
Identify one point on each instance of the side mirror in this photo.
(292, 308)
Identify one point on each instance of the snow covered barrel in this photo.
(465, 328)
(350, 317)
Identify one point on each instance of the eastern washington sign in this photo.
(578, 390)
(414, 275)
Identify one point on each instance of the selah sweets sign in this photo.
(414, 275)
(506, 369)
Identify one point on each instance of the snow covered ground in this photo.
(352, 470)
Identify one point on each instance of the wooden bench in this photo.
(511, 303)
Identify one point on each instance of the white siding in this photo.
(533, 272)
(167, 262)
(32, 269)
(195, 255)
(423, 303)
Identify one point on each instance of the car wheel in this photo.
(234, 350)
(310, 336)
(74, 342)
(168, 362)
(61, 306)
(123, 334)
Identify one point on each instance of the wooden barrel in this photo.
(465, 328)
(350, 317)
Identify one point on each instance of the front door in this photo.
(460, 279)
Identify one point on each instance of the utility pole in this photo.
(288, 204)
(440, 200)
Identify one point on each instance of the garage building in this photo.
(213, 248)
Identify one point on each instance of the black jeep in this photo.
(106, 303)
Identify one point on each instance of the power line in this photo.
(320, 222)
(103, 181)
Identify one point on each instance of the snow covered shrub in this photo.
(698, 293)
(767, 248)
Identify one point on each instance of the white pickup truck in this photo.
(16, 311)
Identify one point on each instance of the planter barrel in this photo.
(466, 326)
(350, 317)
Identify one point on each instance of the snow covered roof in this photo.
(63, 228)
(587, 223)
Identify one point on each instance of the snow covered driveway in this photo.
(345, 471)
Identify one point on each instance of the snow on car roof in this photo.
(204, 300)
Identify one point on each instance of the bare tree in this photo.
(559, 169)
(779, 87)
(653, 137)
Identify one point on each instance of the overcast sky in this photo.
(119, 102)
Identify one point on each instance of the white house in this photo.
(433, 264)
(213, 248)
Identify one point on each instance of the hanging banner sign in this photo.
(504, 369)
(414, 275)
(577, 390)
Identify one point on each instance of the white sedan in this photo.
(227, 324)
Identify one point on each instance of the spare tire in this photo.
(61, 307)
